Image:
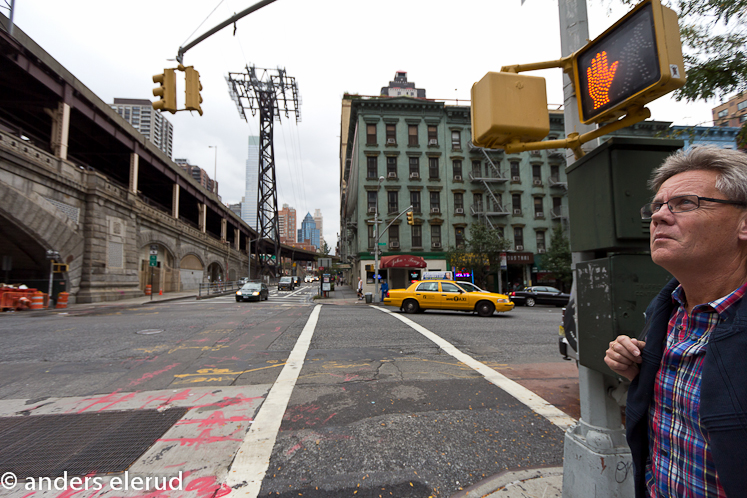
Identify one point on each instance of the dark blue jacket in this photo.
(723, 393)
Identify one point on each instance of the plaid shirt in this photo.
(680, 458)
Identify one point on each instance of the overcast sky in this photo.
(329, 46)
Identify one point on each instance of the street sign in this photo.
(153, 260)
(382, 243)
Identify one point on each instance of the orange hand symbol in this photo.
(600, 77)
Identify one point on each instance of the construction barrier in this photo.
(62, 300)
(37, 301)
(147, 290)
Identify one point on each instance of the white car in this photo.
(308, 278)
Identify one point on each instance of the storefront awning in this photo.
(403, 261)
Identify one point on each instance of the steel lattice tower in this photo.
(271, 94)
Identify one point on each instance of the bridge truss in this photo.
(271, 92)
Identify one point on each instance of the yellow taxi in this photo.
(447, 295)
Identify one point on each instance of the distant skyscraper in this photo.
(309, 231)
(249, 207)
(151, 123)
(197, 173)
(287, 224)
(319, 220)
(400, 87)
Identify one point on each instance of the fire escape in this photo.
(492, 206)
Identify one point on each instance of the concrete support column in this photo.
(60, 129)
(236, 239)
(202, 222)
(175, 201)
(223, 229)
(134, 169)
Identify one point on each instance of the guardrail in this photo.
(217, 288)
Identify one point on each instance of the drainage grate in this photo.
(81, 444)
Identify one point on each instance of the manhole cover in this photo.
(81, 444)
(149, 331)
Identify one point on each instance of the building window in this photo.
(371, 238)
(476, 169)
(538, 210)
(391, 166)
(537, 174)
(723, 113)
(393, 201)
(415, 166)
(456, 140)
(540, 241)
(518, 238)
(477, 201)
(515, 175)
(459, 236)
(391, 134)
(436, 235)
(393, 236)
(555, 173)
(743, 118)
(557, 206)
(433, 168)
(372, 200)
(435, 200)
(457, 165)
(415, 200)
(412, 133)
(372, 167)
(742, 105)
(516, 203)
(458, 200)
(417, 236)
(432, 135)
(371, 134)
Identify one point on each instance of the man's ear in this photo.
(742, 227)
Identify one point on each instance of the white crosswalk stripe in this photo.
(300, 296)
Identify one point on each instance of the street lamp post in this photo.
(376, 241)
(215, 169)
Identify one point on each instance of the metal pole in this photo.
(10, 17)
(51, 274)
(376, 241)
(215, 169)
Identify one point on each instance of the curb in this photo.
(534, 482)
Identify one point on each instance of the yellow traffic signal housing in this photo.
(637, 60)
(193, 99)
(509, 107)
(166, 91)
(59, 267)
(410, 218)
(369, 267)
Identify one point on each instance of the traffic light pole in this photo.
(377, 236)
(596, 459)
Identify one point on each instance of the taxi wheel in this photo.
(485, 308)
(410, 306)
(530, 301)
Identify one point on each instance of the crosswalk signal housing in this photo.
(410, 218)
(166, 91)
(509, 107)
(637, 60)
(193, 99)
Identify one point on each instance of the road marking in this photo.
(302, 289)
(253, 457)
(521, 393)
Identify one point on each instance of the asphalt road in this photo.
(378, 408)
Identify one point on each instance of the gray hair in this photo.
(731, 166)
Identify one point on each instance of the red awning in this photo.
(402, 261)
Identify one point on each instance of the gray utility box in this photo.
(607, 189)
(613, 294)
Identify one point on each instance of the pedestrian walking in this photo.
(360, 289)
(685, 413)
(384, 290)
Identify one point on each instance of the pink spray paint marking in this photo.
(109, 400)
(214, 419)
(149, 376)
(204, 438)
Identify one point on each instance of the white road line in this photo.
(253, 457)
(521, 393)
(296, 292)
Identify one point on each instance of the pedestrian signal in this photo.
(635, 61)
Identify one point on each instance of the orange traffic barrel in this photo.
(62, 300)
(147, 290)
(37, 301)
(23, 303)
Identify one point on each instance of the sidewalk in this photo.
(342, 295)
(541, 482)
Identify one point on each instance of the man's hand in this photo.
(624, 355)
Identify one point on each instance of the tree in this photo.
(325, 248)
(558, 257)
(714, 46)
(481, 252)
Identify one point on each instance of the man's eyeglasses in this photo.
(681, 204)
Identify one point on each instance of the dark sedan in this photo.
(539, 294)
(253, 291)
(285, 283)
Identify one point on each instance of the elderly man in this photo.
(686, 412)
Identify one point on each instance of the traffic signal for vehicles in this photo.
(193, 99)
(635, 61)
(166, 91)
(410, 218)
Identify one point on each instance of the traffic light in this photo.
(635, 61)
(410, 218)
(60, 268)
(192, 90)
(166, 90)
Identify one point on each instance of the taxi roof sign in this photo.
(637, 60)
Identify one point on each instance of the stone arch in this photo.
(38, 225)
(165, 275)
(215, 271)
(191, 272)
